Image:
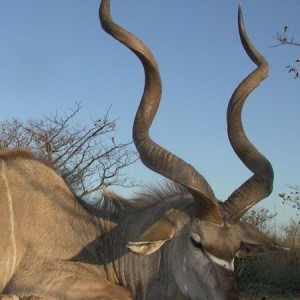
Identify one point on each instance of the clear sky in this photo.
(54, 53)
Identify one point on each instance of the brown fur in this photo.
(7, 153)
(23, 153)
(42, 226)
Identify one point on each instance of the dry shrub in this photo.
(274, 273)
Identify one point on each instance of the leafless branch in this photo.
(284, 38)
(88, 157)
(293, 198)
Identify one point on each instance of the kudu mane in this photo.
(6, 154)
(116, 207)
(23, 153)
(109, 203)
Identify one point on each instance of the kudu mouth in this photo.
(169, 165)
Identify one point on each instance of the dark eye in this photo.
(196, 244)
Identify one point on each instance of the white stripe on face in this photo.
(228, 265)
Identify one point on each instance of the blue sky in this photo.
(54, 54)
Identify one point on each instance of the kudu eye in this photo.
(197, 244)
(196, 241)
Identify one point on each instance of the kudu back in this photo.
(179, 242)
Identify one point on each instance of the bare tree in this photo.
(88, 157)
(284, 38)
(259, 218)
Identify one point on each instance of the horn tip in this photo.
(241, 25)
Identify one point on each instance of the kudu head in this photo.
(205, 246)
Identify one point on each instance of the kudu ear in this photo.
(253, 242)
(160, 232)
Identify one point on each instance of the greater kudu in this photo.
(175, 244)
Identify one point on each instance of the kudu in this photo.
(179, 243)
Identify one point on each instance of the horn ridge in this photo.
(260, 185)
(153, 155)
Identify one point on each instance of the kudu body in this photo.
(177, 244)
